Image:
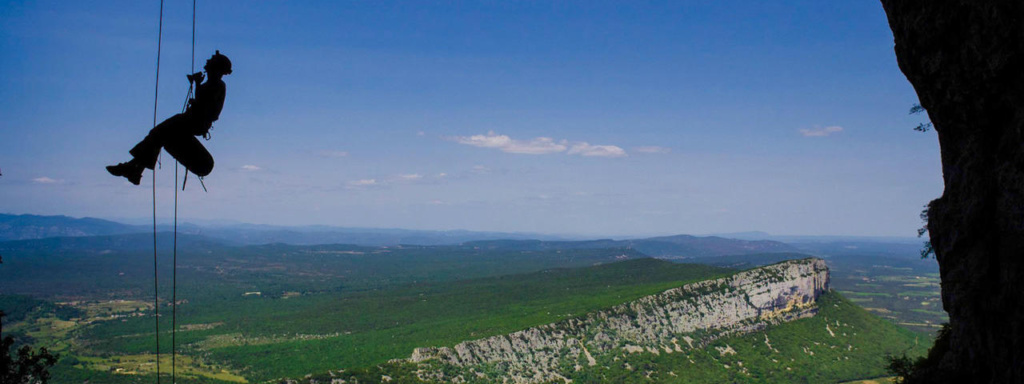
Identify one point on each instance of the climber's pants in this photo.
(175, 136)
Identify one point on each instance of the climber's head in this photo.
(218, 65)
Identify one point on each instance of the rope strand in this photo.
(174, 278)
(174, 274)
(174, 284)
(156, 287)
(193, 36)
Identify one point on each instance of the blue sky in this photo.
(589, 117)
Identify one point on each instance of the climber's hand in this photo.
(195, 77)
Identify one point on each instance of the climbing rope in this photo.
(174, 283)
(156, 288)
(174, 278)
(174, 275)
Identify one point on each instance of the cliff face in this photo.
(686, 317)
(965, 59)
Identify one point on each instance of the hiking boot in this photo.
(128, 170)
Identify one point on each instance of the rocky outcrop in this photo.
(686, 317)
(965, 59)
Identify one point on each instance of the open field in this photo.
(904, 295)
(228, 335)
(260, 313)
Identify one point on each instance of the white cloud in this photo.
(543, 146)
(652, 149)
(821, 132)
(442, 174)
(585, 149)
(333, 153)
(362, 183)
(490, 140)
(536, 146)
(250, 167)
(46, 180)
(421, 133)
(388, 182)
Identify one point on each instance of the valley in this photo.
(266, 313)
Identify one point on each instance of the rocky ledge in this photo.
(686, 317)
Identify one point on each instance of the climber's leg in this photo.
(147, 151)
(191, 153)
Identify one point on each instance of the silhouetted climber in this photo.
(178, 134)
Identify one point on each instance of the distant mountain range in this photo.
(26, 227)
(665, 247)
(809, 239)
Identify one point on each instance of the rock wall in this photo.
(965, 59)
(686, 317)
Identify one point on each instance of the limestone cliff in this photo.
(965, 59)
(686, 317)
